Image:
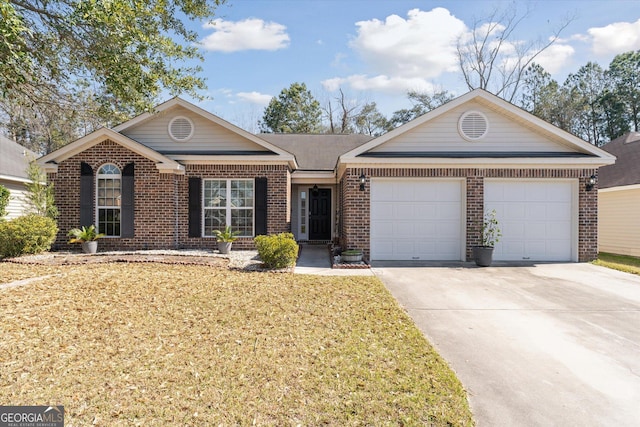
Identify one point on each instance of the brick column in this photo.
(587, 218)
(475, 213)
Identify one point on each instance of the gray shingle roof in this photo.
(626, 170)
(14, 158)
(316, 152)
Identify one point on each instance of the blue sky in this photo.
(377, 50)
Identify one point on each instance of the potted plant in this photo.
(225, 239)
(483, 254)
(351, 255)
(88, 236)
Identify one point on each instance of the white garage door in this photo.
(416, 219)
(537, 219)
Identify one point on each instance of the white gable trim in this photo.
(211, 117)
(163, 163)
(502, 107)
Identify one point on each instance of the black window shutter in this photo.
(195, 207)
(261, 206)
(86, 195)
(127, 202)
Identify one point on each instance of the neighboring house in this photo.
(169, 179)
(14, 161)
(619, 197)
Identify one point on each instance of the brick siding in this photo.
(355, 219)
(161, 200)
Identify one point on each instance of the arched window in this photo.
(108, 199)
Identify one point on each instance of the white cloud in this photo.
(380, 83)
(255, 98)
(421, 46)
(615, 38)
(555, 57)
(248, 34)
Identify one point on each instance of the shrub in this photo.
(4, 200)
(29, 234)
(278, 250)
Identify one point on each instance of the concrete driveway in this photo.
(542, 345)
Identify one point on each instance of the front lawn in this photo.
(626, 263)
(153, 344)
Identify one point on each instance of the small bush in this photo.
(29, 234)
(278, 250)
(4, 200)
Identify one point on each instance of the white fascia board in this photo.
(312, 177)
(236, 160)
(619, 188)
(14, 179)
(174, 168)
(483, 163)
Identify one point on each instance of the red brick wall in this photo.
(355, 204)
(278, 200)
(161, 200)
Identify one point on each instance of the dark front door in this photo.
(320, 214)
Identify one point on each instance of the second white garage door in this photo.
(416, 219)
(537, 218)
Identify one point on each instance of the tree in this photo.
(295, 110)
(587, 87)
(545, 98)
(124, 50)
(489, 58)
(624, 72)
(370, 121)
(422, 103)
(43, 128)
(341, 118)
(40, 195)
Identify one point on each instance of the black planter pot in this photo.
(483, 255)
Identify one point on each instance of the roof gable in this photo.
(211, 136)
(511, 133)
(163, 163)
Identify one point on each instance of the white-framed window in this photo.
(228, 202)
(108, 199)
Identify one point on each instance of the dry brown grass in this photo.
(151, 344)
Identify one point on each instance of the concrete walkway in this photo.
(314, 259)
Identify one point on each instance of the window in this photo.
(228, 202)
(109, 191)
(303, 212)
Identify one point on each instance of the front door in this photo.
(320, 214)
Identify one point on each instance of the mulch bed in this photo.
(81, 259)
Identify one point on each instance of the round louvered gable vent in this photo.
(473, 125)
(181, 128)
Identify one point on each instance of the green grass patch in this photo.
(153, 344)
(626, 263)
